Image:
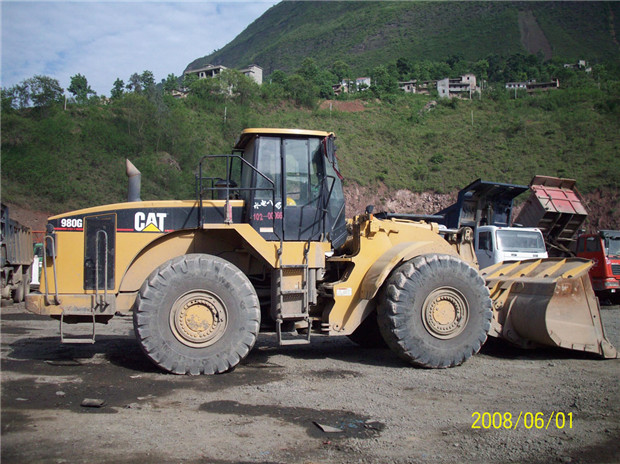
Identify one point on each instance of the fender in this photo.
(382, 267)
(213, 240)
(238, 243)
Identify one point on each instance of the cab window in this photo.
(269, 165)
(484, 241)
(593, 244)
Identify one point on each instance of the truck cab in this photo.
(495, 244)
(604, 250)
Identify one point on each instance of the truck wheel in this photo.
(21, 290)
(435, 311)
(18, 294)
(197, 314)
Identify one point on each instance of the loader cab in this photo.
(290, 185)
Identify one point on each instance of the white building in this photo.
(464, 85)
(408, 86)
(362, 83)
(253, 71)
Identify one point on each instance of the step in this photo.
(297, 291)
(82, 341)
(304, 339)
(294, 341)
(294, 266)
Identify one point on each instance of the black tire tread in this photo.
(394, 318)
(147, 307)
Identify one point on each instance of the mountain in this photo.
(366, 34)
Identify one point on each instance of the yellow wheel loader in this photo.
(267, 247)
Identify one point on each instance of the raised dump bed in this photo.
(556, 208)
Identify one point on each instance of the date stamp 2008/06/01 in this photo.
(529, 420)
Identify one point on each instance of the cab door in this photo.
(302, 185)
(591, 247)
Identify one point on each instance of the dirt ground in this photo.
(267, 410)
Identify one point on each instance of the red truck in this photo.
(604, 249)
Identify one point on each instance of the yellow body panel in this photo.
(383, 244)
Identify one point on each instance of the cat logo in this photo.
(151, 222)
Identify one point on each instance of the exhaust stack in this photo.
(133, 193)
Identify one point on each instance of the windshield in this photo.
(612, 246)
(520, 241)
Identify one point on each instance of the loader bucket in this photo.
(547, 302)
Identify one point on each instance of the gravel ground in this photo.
(267, 410)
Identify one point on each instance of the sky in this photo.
(106, 40)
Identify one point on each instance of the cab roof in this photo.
(249, 134)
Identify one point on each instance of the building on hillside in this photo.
(207, 71)
(408, 86)
(533, 86)
(177, 93)
(460, 87)
(362, 83)
(425, 87)
(253, 72)
(339, 89)
(347, 85)
(581, 64)
(516, 85)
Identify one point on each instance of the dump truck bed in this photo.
(557, 209)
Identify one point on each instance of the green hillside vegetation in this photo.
(367, 34)
(56, 160)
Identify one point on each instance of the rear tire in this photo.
(23, 287)
(435, 311)
(18, 294)
(197, 314)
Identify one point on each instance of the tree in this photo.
(208, 89)
(382, 81)
(233, 83)
(440, 70)
(341, 70)
(325, 81)
(300, 90)
(481, 68)
(118, 89)
(42, 90)
(80, 89)
(15, 97)
(189, 79)
(171, 83)
(404, 68)
(422, 71)
(274, 88)
(135, 83)
(147, 79)
(278, 77)
(308, 70)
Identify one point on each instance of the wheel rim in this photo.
(198, 318)
(445, 313)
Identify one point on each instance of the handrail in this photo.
(105, 271)
(56, 299)
(213, 188)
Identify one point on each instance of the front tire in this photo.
(197, 314)
(435, 311)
